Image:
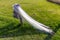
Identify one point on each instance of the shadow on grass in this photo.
(10, 31)
(55, 30)
(19, 30)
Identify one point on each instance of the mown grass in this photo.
(41, 10)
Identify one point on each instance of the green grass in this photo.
(41, 10)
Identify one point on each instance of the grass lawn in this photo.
(41, 10)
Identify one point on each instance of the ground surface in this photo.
(41, 10)
(55, 1)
